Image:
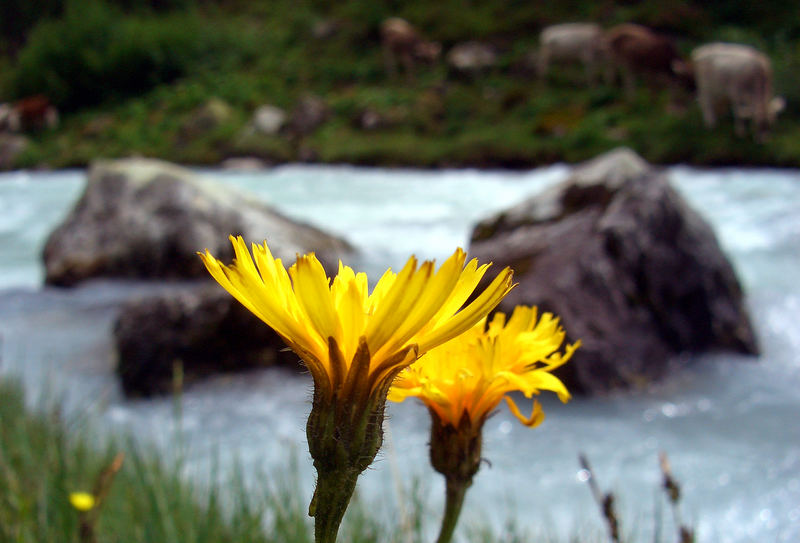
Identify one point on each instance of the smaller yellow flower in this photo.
(463, 380)
(82, 501)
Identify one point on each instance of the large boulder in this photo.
(629, 267)
(200, 329)
(146, 219)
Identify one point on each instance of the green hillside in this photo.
(181, 79)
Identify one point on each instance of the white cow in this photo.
(582, 43)
(736, 76)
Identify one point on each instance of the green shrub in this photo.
(95, 53)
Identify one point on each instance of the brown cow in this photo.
(638, 51)
(401, 42)
(574, 43)
(739, 77)
(35, 113)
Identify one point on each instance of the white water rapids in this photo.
(729, 424)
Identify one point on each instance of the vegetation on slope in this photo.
(130, 80)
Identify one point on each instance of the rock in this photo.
(268, 119)
(309, 113)
(244, 163)
(326, 29)
(369, 119)
(202, 328)
(629, 267)
(206, 118)
(11, 146)
(471, 57)
(146, 219)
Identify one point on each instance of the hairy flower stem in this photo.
(456, 454)
(331, 497)
(345, 432)
(454, 498)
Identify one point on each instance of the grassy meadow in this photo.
(133, 81)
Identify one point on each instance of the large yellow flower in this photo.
(328, 322)
(464, 380)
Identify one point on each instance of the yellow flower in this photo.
(331, 324)
(82, 501)
(354, 343)
(464, 380)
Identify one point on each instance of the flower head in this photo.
(354, 342)
(465, 379)
(82, 501)
(327, 323)
(462, 381)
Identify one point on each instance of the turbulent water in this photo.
(729, 424)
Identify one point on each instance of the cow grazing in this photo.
(402, 43)
(739, 77)
(34, 113)
(638, 51)
(580, 43)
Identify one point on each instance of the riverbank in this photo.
(193, 101)
(47, 455)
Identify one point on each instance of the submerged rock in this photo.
(200, 329)
(629, 267)
(146, 219)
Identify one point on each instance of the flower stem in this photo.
(331, 497)
(454, 499)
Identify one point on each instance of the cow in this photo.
(740, 77)
(31, 113)
(402, 43)
(636, 50)
(574, 43)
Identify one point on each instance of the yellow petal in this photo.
(534, 420)
(313, 292)
(467, 317)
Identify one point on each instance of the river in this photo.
(729, 424)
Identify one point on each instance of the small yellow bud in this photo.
(82, 501)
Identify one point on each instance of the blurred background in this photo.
(396, 128)
(184, 80)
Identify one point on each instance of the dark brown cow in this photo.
(638, 51)
(35, 113)
(401, 42)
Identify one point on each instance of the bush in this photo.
(94, 53)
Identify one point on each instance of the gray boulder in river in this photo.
(200, 327)
(629, 267)
(146, 219)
